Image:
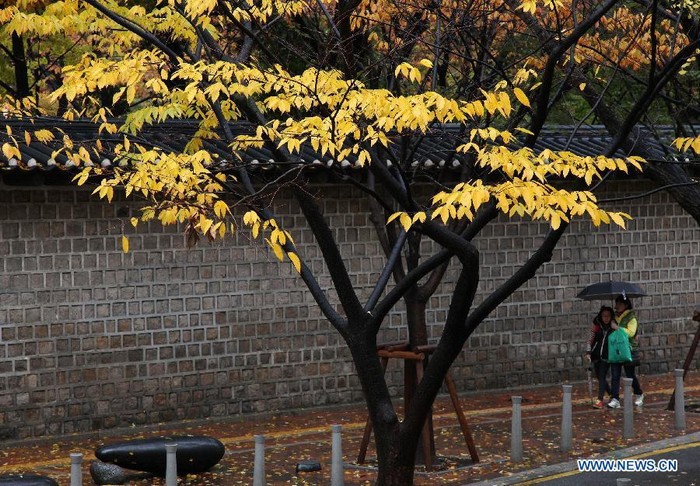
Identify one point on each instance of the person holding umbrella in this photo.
(627, 321)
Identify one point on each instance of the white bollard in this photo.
(170, 464)
(628, 410)
(516, 437)
(679, 405)
(76, 471)
(337, 473)
(566, 419)
(259, 467)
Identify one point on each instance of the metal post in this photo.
(337, 474)
(259, 467)
(516, 437)
(170, 464)
(566, 419)
(679, 405)
(628, 408)
(76, 471)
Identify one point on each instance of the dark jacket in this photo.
(598, 346)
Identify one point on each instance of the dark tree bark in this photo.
(19, 58)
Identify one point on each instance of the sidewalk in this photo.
(292, 437)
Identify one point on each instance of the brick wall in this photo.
(92, 338)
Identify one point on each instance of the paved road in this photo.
(688, 474)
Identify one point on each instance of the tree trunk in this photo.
(395, 475)
(415, 314)
(418, 336)
(21, 72)
(397, 466)
(395, 449)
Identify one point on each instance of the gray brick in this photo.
(155, 323)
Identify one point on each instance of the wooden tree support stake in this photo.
(688, 360)
(400, 351)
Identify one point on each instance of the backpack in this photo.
(619, 350)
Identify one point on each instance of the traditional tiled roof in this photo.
(433, 150)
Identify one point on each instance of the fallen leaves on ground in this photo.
(291, 438)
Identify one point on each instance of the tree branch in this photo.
(312, 284)
(248, 32)
(391, 262)
(648, 97)
(332, 256)
(524, 273)
(427, 266)
(540, 115)
(135, 28)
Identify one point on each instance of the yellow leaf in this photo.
(220, 209)
(250, 217)
(582, 86)
(125, 244)
(82, 176)
(295, 261)
(130, 94)
(419, 217)
(696, 145)
(204, 223)
(117, 95)
(44, 135)
(522, 97)
(134, 222)
(555, 221)
(618, 219)
(405, 221)
(620, 164)
(10, 151)
(277, 249)
(393, 217)
(27, 137)
(636, 161)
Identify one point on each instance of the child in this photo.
(598, 351)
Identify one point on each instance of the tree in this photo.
(350, 79)
(652, 67)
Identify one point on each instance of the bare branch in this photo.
(135, 28)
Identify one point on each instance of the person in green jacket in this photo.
(627, 321)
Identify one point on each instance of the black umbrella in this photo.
(610, 290)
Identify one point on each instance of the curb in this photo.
(544, 471)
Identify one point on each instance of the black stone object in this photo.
(26, 480)
(308, 466)
(195, 454)
(107, 473)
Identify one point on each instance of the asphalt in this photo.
(294, 436)
(685, 450)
